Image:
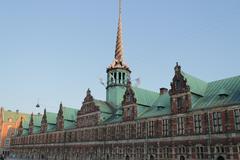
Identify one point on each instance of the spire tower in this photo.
(119, 42)
(118, 73)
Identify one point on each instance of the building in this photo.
(194, 119)
(9, 121)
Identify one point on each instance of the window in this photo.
(179, 104)
(197, 124)
(119, 77)
(165, 127)
(181, 150)
(129, 112)
(117, 132)
(217, 122)
(166, 152)
(115, 77)
(180, 125)
(199, 152)
(178, 85)
(127, 131)
(237, 119)
(150, 128)
(138, 129)
(219, 149)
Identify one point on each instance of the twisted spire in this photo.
(118, 58)
(119, 42)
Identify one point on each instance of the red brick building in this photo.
(193, 120)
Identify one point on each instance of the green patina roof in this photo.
(37, 120)
(51, 118)
(145, 97)
(70, 113)
(106, 110)
(69, 124)
(103, 106)
(36, 129)
(160, 107)
(212, 97)
(25, 132)
(51, 127)
(197, 86)
(11, 114)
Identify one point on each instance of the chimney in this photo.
(163, 91)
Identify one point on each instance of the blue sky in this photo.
(54, 50)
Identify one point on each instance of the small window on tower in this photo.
(112, 77)
(124, 78)
(115, 77)
(119, 77)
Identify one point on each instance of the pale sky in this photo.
(54, 50)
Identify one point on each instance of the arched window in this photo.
(151, 157)
(182, 158)
(220, 158)
(127, 157)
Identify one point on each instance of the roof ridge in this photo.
(228, 78)
(194, 76)
(145, 90)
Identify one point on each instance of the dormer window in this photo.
(223, 93)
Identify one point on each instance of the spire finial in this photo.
(120, 8)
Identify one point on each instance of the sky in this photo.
(53, 51)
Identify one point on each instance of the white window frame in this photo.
(237, 119)
(180, 126)
(165, 127)
(197, 123)
(217, 121)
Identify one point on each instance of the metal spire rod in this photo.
(120, 8)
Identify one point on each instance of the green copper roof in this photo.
(51, 118)
(160, 107)
(25, 132)
(212, 97)
(36, 129)
(70, 113)
(145, 97)
(11, 114)
(51, 127)
(197, 86)
(103, 106)
(69, 124)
